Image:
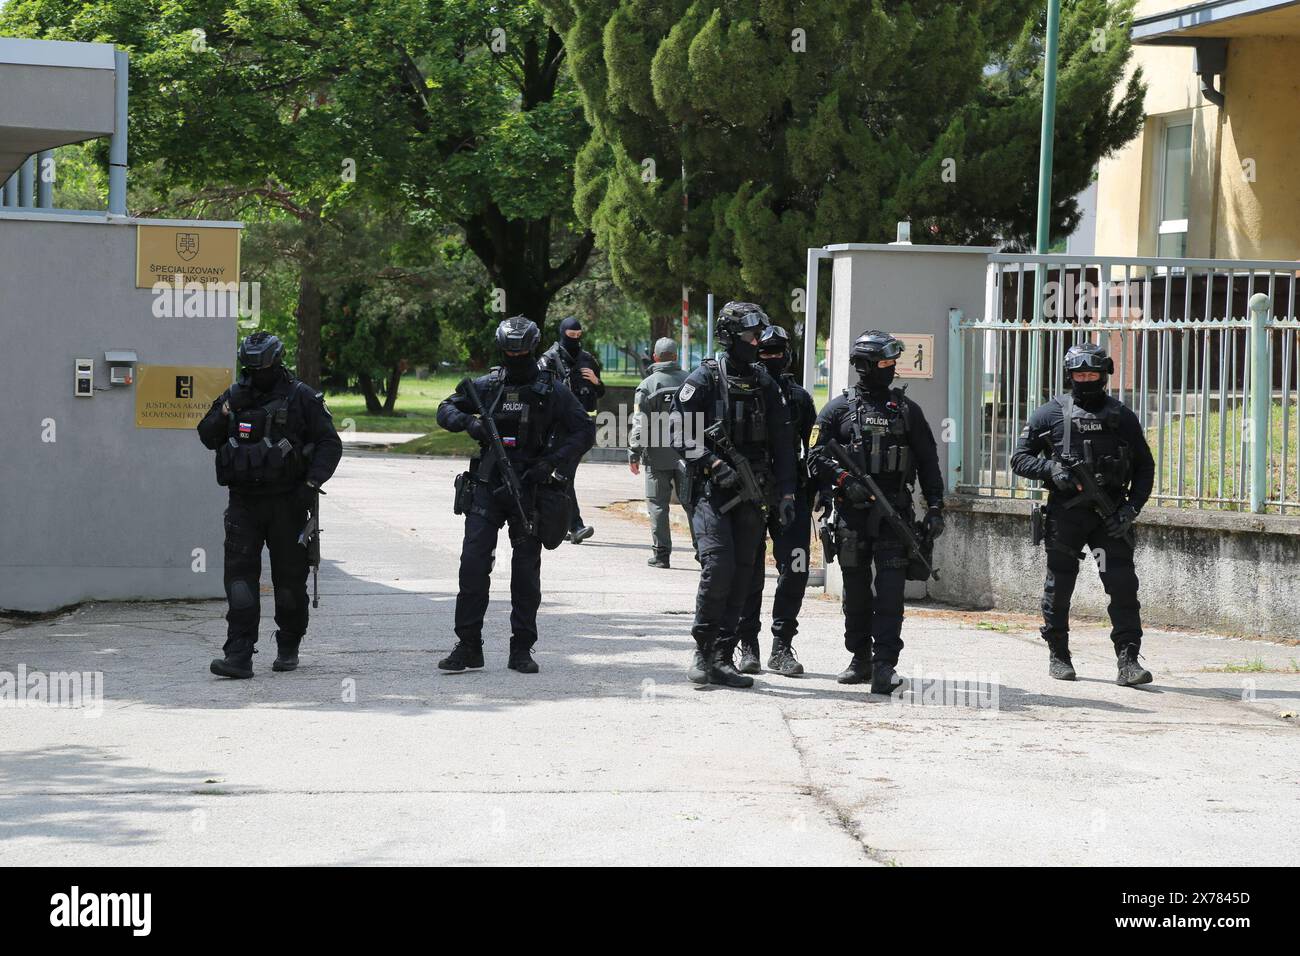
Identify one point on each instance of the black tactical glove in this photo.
(476, 430)
(934, 522)
(541, 472)
(1061, 477)
(1118, 524)
(857, 495)
(723, 475)
(304, 496)
(785, 512)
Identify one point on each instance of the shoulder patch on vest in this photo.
(687, 391)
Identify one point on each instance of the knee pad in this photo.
(241, 595)
(286, 599)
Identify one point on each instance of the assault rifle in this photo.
(750, 489)
(1082, 474)
(497, 450)
(901, 527)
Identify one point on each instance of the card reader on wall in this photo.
(83, 380)
(121, 366)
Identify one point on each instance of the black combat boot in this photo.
(1059, 664)
(1131, 673)
(581, 533)
(698, 672)
(465, 656)
(286, 653)
(658, 561)
(858, 671)
(783, 660)
(884, 679)
(721, 669)
(521, 659)
(749, 657)
(238, 662)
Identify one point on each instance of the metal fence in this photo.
(1207, 353)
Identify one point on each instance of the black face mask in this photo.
(265, 379)
(520, 368)
(1088, 394)
(572, 346)
(876, 379)
(777, 366)
(742, 352)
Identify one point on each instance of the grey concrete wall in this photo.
(42, 107)
(1228, 573)
(106, 511)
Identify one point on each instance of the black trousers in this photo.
(275, 521)
(790, 548)
(477, 556)
(731, 565)
(873, 622)
(1068, 530)
(573, 496)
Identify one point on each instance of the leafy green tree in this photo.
(799, 124)
(458, 112)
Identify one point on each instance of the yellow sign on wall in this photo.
(197, 253)
(177, 396)
(917, 360)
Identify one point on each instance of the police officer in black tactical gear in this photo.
(888, 437)
(544, 431)
(789, 545)
(753, 439)
(1087, 425)
(579, 370)
(275, 446)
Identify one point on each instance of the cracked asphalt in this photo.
(367, 754)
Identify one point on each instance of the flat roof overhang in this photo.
(52, 93)
(1220, 19)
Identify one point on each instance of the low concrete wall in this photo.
(1229, 573)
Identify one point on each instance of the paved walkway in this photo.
(369, 755)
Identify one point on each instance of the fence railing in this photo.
(1207, 353)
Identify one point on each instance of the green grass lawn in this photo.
(1232, 462)
(417, 406)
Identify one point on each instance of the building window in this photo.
(1175, 188)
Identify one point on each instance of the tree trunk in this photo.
(390, 400)
(311, 304)
(368, 390)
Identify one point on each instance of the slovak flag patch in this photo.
(245, 429)
(509, 441)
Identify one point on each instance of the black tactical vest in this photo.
(742, 406)
(523, 413)
(879, 438)
(259, 448)
(1094, 437)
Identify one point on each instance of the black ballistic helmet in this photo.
(871, 347)
(774, 339)
(260, 350)
(736, 318)
(518, 334)
(1088, 357)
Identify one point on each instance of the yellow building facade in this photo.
(1215, 172)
